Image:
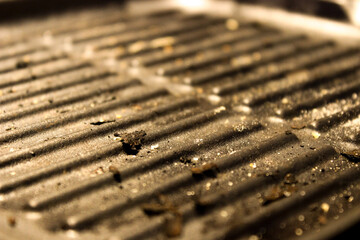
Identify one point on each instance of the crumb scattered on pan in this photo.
(11, 221)
(209, 169)
(101, 122)
(132, 142)
(115, 172)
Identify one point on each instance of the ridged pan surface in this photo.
(174, 125)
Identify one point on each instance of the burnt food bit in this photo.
(174, 225)
(154, 208)
(162, 205)
(11, 221)
(272, 195)
(101, 122)
(22, 64)
(208, 170)
(186, 160)
(298, 125)
(115, 172)
(286, 188)
(132, 142)
(202, 205)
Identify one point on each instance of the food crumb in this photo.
(325, 207)
(11, 221)
(316, 135)
(132, 142)
(115, 172)
(173, 225)
(208, 169)
(101, 122)
(22, 64)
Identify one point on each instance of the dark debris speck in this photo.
(298, 125)
(186, 161)
(11, 221)
(203, 205)
(209, 170)
(288, 132)
(154, 208)
(115, 172)
(284, 189)
(22, 64)
(174, 225)
(101, 122)
(132, 142)
(174, 220)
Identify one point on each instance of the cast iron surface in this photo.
(170, 125)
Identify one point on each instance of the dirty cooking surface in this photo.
(170, 125)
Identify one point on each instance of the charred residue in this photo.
(132, 142)
(285, 189)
